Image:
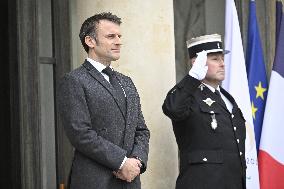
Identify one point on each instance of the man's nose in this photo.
(221, 61)
(118, 40)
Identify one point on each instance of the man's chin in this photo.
(114, 58)
(221, 77)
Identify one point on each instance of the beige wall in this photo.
(148, 58)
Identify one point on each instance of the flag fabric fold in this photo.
(271, 152)
(256, 71)
(237, 84)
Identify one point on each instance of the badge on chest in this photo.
(209, 102)
(214, 124)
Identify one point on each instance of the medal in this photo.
(214, 124)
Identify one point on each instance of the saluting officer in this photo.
(208, 125)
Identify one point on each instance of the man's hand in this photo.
(199, 68)
(129, 170)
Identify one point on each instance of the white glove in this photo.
(199, 68)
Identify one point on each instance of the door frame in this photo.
(25, 90)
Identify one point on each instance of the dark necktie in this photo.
(116, 85)
(220, 98)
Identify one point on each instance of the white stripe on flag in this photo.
(237, 84)
(273, 124)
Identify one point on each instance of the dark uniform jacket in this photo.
(98, 128)
(209, 158)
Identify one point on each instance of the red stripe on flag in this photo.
(271, 172)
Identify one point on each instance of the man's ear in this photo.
(192, 60)
(90, 42)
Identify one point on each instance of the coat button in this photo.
(232, 115)
(238, 140)
(241, 153)
(204, 159)
(235, 128)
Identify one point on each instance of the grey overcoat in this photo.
(99, 131)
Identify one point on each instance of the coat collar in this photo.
(99, 77)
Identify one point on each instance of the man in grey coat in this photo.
(101, 113)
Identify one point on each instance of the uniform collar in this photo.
(212, 88)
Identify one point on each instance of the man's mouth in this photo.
(115, 50)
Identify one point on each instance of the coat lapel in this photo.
(130, 102)
(100, 78)
(127, 91)
(230, 98)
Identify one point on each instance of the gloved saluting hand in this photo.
(199, 68)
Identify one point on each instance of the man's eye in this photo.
(111, 36)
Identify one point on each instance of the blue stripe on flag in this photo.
(279, 56)
(257, 79)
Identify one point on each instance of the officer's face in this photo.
(216, 68)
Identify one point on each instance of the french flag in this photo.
(271, 151)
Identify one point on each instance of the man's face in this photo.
(108, 42)
(216, 68)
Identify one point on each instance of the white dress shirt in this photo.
(99, 67)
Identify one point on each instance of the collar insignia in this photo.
(201, 86)
(209, 101)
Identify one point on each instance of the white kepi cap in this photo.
(210, 43)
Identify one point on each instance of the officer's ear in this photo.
(192, 60)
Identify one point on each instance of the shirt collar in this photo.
(212, 88)
(97, 65)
